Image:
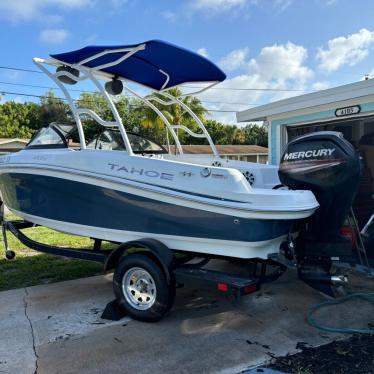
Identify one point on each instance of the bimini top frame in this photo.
(156, 65)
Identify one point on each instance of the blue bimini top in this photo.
(149, 65)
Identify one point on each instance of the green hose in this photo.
(363, 296)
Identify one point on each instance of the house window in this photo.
(262, 159)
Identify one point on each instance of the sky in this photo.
(269, 49)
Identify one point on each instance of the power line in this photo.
(251, 89)
(50, 88)
(20, 69)
(213, 88)
(226, 102)
(23, 94)
(44, 96)
(82, 91)
(221, 111)
(91, 101)
(36, 86)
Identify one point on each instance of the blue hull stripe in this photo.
(90, 205)
(125, 181)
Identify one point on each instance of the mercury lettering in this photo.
(308, 154)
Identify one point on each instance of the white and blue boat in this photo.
(123, 187)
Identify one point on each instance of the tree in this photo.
(53, 109)
(23, 119)
(15, 120)
(34, 116)
(255, 134)
(217, 131)
(239, 136)
(153, 126)
(230, 134)
(97, 103)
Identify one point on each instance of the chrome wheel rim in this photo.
(139, 288)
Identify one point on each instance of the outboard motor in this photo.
(328, 165)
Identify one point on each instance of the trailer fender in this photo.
(158, 251)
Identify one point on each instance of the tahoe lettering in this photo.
(135, 171)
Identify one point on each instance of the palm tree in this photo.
(230, 134)
(175, 114)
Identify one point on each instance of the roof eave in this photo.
(314, 99)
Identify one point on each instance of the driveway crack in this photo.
(25, 304)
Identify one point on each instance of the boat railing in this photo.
(96, 117)
(178, 101)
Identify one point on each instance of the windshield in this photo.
(55, 135)
(47, 137)
(112, 140)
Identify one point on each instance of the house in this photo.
(12, 145)
(348, 109)
(251, 153)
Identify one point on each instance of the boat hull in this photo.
(109, 214)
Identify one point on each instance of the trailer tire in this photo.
(141, 288)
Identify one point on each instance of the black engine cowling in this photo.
(328, 165)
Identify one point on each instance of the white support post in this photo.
(39, 63)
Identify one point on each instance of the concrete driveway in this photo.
(57, 328)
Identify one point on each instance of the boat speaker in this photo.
(65, 78)
(114, 87)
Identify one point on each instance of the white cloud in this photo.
(236, 59)
(13, 75)
(330, 2)
(224, 5)
(348, 50)
(169, 15)
(282, 5)
(203, 52)
(118, 4)
(276, 67)
(217, 5)
(28, 10)
(320, 85)
(282, 62)
(53, 36)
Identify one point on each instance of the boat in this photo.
(165, 209)
(121, 186)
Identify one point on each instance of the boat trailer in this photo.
(176, 266)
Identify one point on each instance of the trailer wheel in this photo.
(141, 288)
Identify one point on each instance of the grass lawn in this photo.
(30, 268)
